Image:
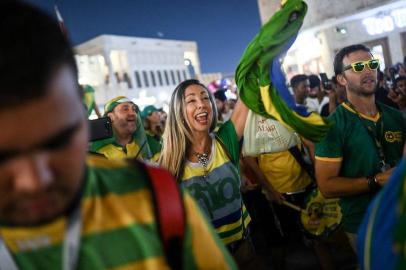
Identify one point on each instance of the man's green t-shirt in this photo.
(349, 142)
(154, 145)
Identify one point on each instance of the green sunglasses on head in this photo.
(372, 64)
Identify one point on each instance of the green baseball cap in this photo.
(147, 111)
(111, 104)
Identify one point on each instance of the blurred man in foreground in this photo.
(57, 210)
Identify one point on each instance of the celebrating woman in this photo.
(207, 163)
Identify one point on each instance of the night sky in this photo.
(222, 28)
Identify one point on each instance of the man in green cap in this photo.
(129, 139)
(153, 128)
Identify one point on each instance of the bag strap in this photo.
(244, 229)
(224, 147)
(170, 213)
(297, 154)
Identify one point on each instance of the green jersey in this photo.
(88, 98)
(155, 145)
(148, 149)
(112, 150)
(119, 229)
(349, 142)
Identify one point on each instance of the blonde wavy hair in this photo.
(177, 136)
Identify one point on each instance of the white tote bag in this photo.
(265, 135)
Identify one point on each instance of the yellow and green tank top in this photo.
(119, 230)
(217, 190)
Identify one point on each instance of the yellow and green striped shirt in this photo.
(218, 190)
(119, 230)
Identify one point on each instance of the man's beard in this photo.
(359, 90)
(126, 128)
(62, 195)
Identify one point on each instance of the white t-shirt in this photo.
(313, 104)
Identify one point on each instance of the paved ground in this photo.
(297, 252)
(306, 256)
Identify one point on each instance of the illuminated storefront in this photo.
(332, 25)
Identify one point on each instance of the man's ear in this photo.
(341, 79)
(111, 116)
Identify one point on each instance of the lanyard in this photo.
(70, 245)
(382, 164)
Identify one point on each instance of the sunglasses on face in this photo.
(372, 64)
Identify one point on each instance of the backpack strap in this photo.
(244, 229)
(224, 147)
(169, 212)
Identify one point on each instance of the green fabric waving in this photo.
(257, 90)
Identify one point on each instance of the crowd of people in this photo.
(172, 190)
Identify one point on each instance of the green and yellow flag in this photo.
(88, 98)
(261, 82)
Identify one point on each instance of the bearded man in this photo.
(360, 151)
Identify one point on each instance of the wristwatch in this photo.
(373, 183)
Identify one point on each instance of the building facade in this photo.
(143, 69)
(333, 24)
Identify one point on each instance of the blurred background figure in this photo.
(337, 95)
(382, 92)
(317, 97)
(162, 116)
(89, 100)
(151, 117)
(231, 103)
(398, 94)
(222, 105)
(300, 87)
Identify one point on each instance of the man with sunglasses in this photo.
(360, 151)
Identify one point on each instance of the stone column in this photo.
(267, 8)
